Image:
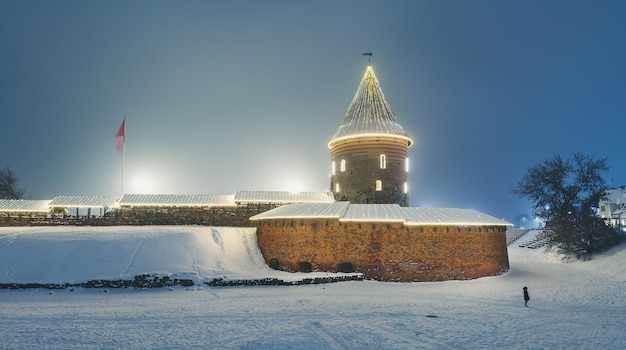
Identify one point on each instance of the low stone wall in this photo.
(237, 216)
(215, 216)
(384, 251)
(141, 281)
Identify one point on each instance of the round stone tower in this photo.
(369, 152)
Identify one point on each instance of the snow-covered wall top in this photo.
(344, 211)
(176, 200)
(164, 200)
(445, 216)
(374, 212)
(334, 210)
(82, 202)
(25, 205)
(283, 197)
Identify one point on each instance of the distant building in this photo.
(613, 208)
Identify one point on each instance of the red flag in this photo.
(120, 137)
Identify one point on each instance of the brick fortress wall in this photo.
(385, 252)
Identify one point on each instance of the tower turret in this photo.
(369, 152)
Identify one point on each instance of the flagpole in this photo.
(123, 154)
(121, 147)
(123, 163)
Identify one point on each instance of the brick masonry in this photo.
(358, 182)
(213, 216)
(385, 252)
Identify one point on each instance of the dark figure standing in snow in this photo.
(526, 297)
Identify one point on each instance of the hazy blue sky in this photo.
(222, 96)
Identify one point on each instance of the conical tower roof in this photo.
(369, 114)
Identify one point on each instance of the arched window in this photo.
(343, 165)
(383, 161)
(379, 185)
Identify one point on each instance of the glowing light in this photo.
(142, 184)
(367, 135)
(294, 185)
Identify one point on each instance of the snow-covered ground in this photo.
(578, 305)
(70, 254)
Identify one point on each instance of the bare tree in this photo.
(8, 185)
(566, 193)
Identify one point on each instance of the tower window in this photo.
(337, 188)
(379, 185)
(406, 188)
(333, 167)
(343, 165)
(406, 165)
(383, 161)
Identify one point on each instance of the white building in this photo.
(613, 208)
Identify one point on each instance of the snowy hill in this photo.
(577, 305)
(70, 254)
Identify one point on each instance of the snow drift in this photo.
(67, 254)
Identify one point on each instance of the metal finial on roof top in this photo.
(369, 60)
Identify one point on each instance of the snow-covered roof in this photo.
(305, 211)
(413, 216)
(616, 195)
(25, 205)
(450, 216)
(374, 212)
(369, 113)
(176, 200)
(283, 197)
(83, 202)
(618, 213)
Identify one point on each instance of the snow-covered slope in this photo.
(78, 254)
(70, 254)
(600, 282)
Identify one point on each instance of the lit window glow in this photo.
(406, 187)
(379, 185)
(343, 165)
(406, 165)
(383, 161)
(336, 188)
(333, 167)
